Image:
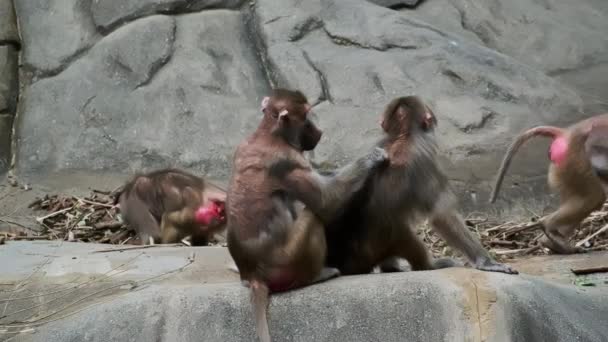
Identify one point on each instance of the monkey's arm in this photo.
(596, 148)
(325, 195)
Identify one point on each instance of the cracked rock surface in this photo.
(131, 84)
(136, 295)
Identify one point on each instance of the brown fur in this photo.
(377, 226)
(577, 180)
(277, 243)
(161, 205)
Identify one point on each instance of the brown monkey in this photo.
(596, 148)
(275, 230)
(578, 165)
(376, 226)
(170, 204)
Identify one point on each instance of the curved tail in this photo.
(546, 131)
(260, 300)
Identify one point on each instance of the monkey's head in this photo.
(406, 115)
(290, 110)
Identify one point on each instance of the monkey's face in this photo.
(297, 128)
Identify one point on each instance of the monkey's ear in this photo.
(307, 107)
(429, 120)
(265, 102)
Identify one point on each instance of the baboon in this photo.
(376, 228)
(578, 165)
(169, 204)
(276, 203)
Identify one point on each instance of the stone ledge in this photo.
(204, 302)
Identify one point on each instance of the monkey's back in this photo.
(366, 231)
(249, 202)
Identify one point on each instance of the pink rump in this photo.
(558, 150)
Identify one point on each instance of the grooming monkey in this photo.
(275, 228)
(169, 204)
(577, 172)
(376, 227)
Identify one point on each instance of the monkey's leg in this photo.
(448, 223)
(560, 225)
(307, 248)
(169, 232)
(326, 274)
(413, 250)
(391, 265)
(138, 216)
(199, 239)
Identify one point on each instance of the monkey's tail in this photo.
(546, 131)
(260, 300)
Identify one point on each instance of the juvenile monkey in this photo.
(577, 173)
(170, 204)
(275, 228)
(596, 148)
(376, 227)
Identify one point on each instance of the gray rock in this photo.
(109, 14)
(184, 90)
(397, 3)
(8, 23)
(151, 296)
(364, 55)
(6, 125)
(54, 33)
(9, 86)
(158, 91)
(553, 36)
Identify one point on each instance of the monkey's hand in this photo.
(377, 156)
(280, 168)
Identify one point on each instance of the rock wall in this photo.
(9, 87)
(139, 84)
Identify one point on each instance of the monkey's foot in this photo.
(326, 274)
(445, 263)
(232, 267)
(490, 265)
(559, 246)
(391, 265)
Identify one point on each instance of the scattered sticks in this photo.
(85, 219)
(95, 219)
(511, 239)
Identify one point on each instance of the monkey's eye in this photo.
(283, 115)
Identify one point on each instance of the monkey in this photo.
(275, 230)
(596, 147)
(169, 204)
(577, 156)
(375, 228)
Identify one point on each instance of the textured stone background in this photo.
(123, 85)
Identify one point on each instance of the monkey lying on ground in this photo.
(170, 204)
(277, 243)
(577, 172)
(376, 228)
